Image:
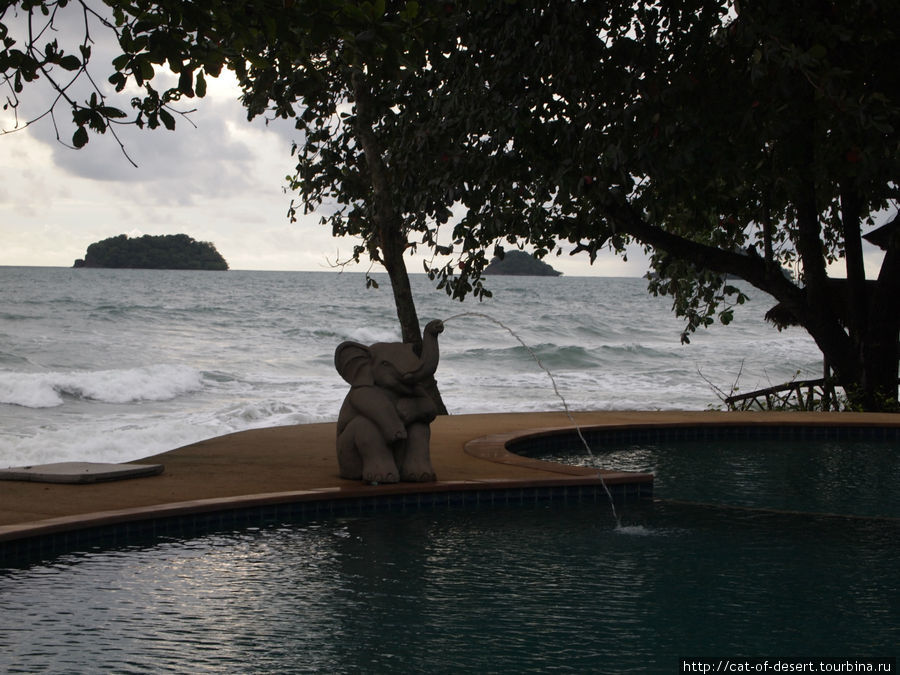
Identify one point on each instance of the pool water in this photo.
(739, 559)
(850, 477)
(476, 590)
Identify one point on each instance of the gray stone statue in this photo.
(383, 431)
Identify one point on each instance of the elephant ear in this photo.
(354, 362)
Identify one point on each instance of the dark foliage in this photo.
(730, 140)
(519, 263)
(170, 252)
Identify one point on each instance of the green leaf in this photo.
(146, 69)
(167, 119)
(817, 51)
(200, 87)
(185, 82)
(70, 62)
(118, 80)
(112, 113)
(121, 61)
(80, 137)
(411, 10)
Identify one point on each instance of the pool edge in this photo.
(489, 447)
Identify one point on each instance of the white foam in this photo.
(266, 413)
(264, 358)
(634, 530)
(28, 390)
(161, 382)
(372, 334)
(105, 440)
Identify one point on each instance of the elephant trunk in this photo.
(430, 353)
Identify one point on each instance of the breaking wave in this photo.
(148, 383)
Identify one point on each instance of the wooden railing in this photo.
(797, 395)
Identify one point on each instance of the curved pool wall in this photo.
(188, 520)
(546, 441)
(576, 485)
(836, 471)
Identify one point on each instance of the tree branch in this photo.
(856, 272)
(751, 268)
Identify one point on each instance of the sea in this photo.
(115, 365)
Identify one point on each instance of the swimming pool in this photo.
(531, 587)
(461, 589)
(856, 472)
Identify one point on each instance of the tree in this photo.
(732, 141)
(170, 251)
(325, 57)
(31, 31)
(348, 85)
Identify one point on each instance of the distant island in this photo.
(519, 263)
(161, 252)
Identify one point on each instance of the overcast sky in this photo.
(221, 181)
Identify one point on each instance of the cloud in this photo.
(221, 181)
(218, 155)
(214, 157)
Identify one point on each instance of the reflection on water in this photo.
(465, 590)
(849, 477)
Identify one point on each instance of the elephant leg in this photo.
(399, 451)
(349, 460)
(415, 465)
(375, 404)
(363, 453)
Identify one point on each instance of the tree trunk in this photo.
(388, 226)
(826, 308)
(392, 246)
(858, 306)
(881, 347)
(880, 354)
(868, 372)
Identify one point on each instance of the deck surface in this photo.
(251, 464)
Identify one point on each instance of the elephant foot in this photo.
(424, 477)
(376, 478)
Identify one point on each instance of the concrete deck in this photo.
(281, 462)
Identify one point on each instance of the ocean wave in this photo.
(266, 413)
(636, 350)
(9, 316)
(371, 334)
(161, 382)
(554, 356)
(260, 346)
(7, 357)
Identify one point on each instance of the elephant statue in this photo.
(383, 431)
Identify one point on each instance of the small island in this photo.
(519, 263)
(161, 252)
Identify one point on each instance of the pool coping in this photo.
(51, 526)
(495, 448)
(549, 480)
